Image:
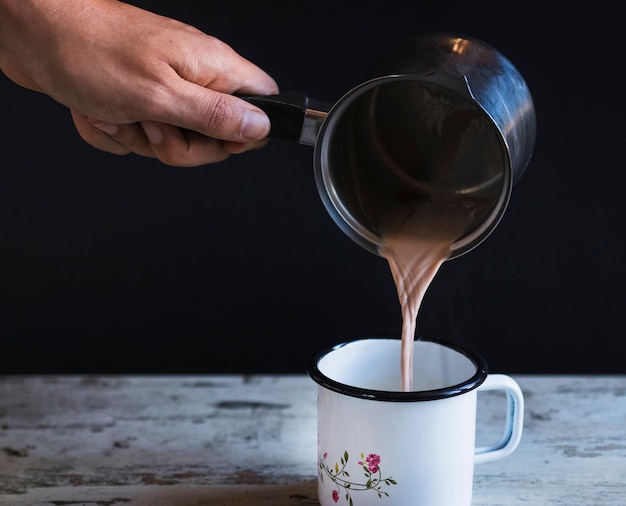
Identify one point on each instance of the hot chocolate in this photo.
(415, 245)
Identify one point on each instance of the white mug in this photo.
(378, 445)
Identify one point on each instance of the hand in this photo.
(135, 81)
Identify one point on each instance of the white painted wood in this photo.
(237, 440)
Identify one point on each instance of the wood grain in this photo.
(250, 440)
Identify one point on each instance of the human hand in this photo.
(136, 81)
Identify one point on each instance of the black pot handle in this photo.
(286, 112)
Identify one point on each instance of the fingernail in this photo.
(107, 128)
(153, 132)
(255, 125)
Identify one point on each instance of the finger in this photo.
(215, 65)
(236, 148)
(183, 148)
(199, 95)
(218, 115)
(130, 135)
(97, 138)
(186, 148)
(169, 144)
(249, 78)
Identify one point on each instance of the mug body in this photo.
(376, 442)
(412, 454)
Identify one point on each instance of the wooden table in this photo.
(251, 440)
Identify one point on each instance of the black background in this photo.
(122, 264)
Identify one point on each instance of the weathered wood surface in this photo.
(237, 440)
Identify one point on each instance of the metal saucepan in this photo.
(438, 116)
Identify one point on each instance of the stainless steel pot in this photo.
(439, 117)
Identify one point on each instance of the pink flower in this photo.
(325, 455)
(335, 496)
(373, 462)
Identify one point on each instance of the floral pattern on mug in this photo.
(340, 476)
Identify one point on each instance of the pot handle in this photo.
(286, 112)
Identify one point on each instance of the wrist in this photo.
(30, 33)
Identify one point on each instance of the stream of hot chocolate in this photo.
(415, 249)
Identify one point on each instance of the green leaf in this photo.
(345, 455)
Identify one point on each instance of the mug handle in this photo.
(514, 419)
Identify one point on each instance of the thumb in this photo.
(220, 115)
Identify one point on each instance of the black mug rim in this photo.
(382, 395)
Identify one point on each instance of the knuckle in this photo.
(183, 148)
(103, 142)
(220, 116)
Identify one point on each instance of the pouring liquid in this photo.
(421, 168)
(415, 247)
